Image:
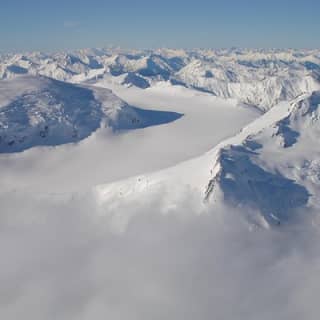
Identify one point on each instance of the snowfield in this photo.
(160, 184)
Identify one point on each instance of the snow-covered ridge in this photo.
(259, 84)
(36, 110)
(275, 170)
(262, 78)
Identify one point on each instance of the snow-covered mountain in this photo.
(270, 169)
(261, 78)
(262, 83)
(36, 110)
(275, 169)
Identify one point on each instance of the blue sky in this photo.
(56, 24)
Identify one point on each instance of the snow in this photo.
(103, 157)
(41, 111)
(261, 78)
(239, 169)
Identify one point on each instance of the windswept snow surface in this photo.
(208, 209)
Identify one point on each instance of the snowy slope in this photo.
(263, 85)
(276, 169)
(36, 110)
(269, 170)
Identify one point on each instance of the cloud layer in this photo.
(61, 259)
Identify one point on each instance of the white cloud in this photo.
(59, 260)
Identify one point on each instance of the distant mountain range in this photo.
(261, 78)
